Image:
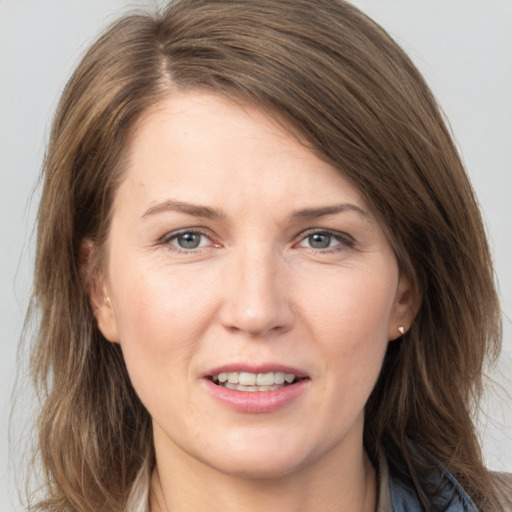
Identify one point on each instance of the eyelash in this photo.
(167, 239)
(344, 240)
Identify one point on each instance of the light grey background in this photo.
(463, 47)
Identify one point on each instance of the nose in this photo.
(257, 302)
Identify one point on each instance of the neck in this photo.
(336, 485)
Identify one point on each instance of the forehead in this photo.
(197, 140)
(198, 116)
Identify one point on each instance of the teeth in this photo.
(247, 381)
(233, 378)
(279, 378)
(266, 379)
(239, 387)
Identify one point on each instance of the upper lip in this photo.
(256, 368)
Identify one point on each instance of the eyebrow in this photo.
(211, 213)
(309, 213)
(183, 207)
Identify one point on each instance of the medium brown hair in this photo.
(332, 75)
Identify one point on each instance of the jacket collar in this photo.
(452, 497)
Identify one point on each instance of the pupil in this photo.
(319, 240)
(189, 240)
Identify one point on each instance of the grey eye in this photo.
(188, 240)
(320, 240)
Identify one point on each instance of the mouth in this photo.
(252, 382)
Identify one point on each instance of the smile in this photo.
(251, 382)
(258, 391)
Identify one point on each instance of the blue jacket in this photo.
(405, 499)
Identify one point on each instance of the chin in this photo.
(259, 468)
(266, 459)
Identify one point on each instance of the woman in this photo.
(261, 272)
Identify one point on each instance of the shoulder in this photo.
(398, 496)
(452, 494)
(503, 489)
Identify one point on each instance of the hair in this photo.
(330, 74)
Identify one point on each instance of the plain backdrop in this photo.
(464, 48)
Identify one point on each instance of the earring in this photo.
(401, 329)
(108, 302)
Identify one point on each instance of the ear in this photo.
(406, 306)
(97, 290)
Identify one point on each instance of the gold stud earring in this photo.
(108, 302)
(401, 329)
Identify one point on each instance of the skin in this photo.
(257, 289)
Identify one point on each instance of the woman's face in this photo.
(235, 253)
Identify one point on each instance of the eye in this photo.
(187, 240)
(320, 240)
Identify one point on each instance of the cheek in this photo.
(160, 317)
(350, 325)
(157, 298)
(161, 320)
(354, 306)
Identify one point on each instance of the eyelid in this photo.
(344, 238)
(168, 237)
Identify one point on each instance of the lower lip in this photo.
(257, 401)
